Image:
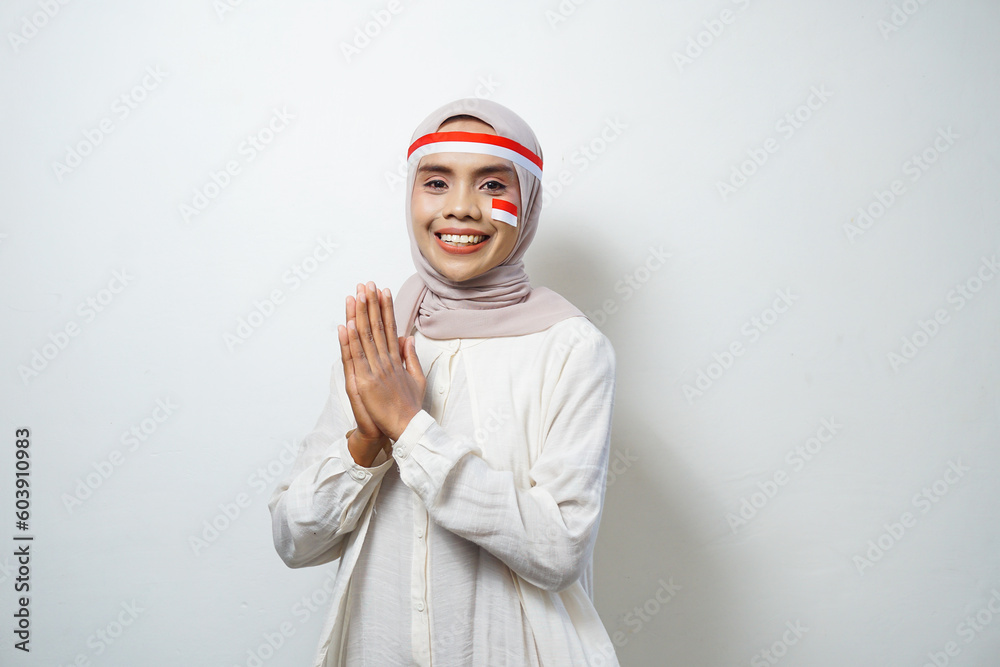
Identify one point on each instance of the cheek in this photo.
(507, 241)
(420, 211)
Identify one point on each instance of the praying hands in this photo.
(383, 378)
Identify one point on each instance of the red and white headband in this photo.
(475, 142)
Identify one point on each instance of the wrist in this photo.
(365, 450)
(401, 426)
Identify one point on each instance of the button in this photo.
(401, 453)
(454, 344)
(420, 532)
(441, 389)
(419, 606)
(358, 474)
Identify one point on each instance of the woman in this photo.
(495, 406)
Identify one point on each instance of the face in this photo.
(453, 194)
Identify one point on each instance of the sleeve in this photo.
(545, 532)
(321, 499)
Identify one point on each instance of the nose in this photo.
(462, 203)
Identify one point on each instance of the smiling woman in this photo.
(458, 470)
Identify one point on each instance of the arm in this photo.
(546, 532)
(326, 492)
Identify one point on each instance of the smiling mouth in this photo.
(462, 239)
(461, 243)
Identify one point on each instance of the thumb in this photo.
(412, 362)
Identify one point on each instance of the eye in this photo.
(494, 186)
(435, 184)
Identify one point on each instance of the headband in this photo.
(475, 142)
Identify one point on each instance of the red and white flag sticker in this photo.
(505, 211)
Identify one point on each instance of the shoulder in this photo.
(571, 341)
(576, 341)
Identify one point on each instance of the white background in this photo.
(685, 94)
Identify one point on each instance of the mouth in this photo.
(461, 244)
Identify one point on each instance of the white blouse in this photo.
(473, 544)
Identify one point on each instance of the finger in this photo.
(389, 318)
(358, 354)
(350, 310)
(351, 316)
(362, 324)
(345, 353)
(374, 303)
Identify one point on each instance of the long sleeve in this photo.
(326, 492)
(544, 529)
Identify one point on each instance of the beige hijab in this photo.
(500, 302)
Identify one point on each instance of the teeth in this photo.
(463, 238)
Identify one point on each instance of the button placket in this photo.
(439, 378)
(420, 625)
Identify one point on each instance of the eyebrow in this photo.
(478, 173)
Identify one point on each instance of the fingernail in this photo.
(350, 325)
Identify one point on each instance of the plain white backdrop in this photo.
(783, 215)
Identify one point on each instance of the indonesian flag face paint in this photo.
(505, 211)
(474, 142)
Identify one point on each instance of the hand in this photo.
(367, 439)
(391, 385)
